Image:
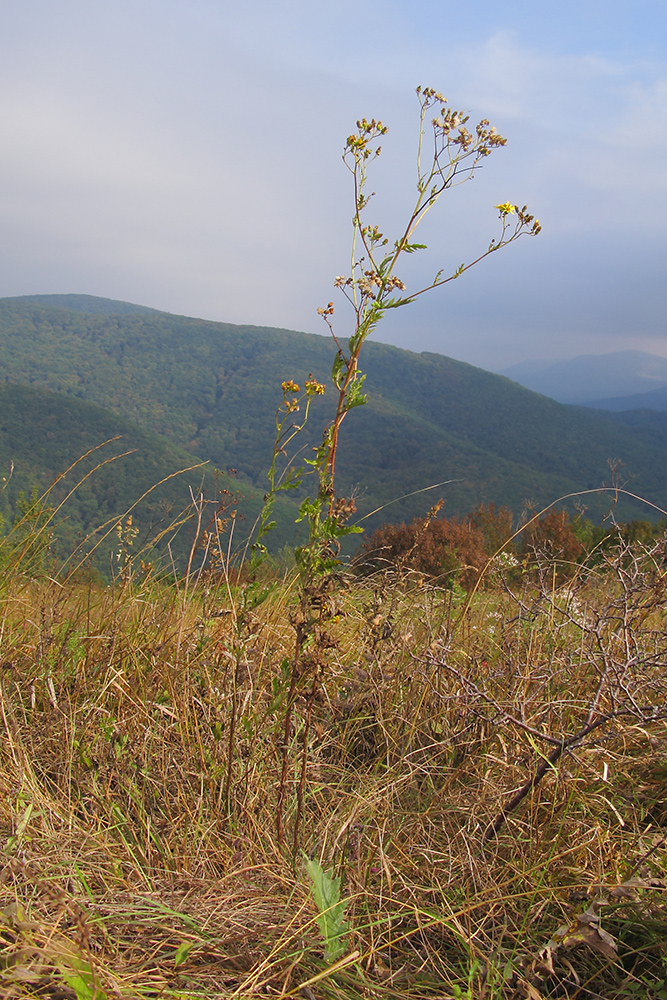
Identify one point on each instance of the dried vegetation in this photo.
(486, 774)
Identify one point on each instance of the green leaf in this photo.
(384, 264)
(396, 303)
(410, 247)
(338, 367)
(83, 990)
(78, 975)
(182, 952)
(355, 397)
(309, 509)
(326, 894)
(360, 399)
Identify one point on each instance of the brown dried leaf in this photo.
(544, 963)
(588, 931)
(625, 892)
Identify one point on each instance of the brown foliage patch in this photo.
(447, 549)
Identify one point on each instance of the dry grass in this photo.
(141, 769)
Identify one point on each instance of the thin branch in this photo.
(550, 762)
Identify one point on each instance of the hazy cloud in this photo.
(188, 157)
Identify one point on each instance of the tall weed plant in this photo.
(448, 153)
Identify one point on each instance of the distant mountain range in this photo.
(621, 380)
(656, 399)
(182, 389)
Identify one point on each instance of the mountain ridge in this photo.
(212, 388)
(654, 399)
(93, 304)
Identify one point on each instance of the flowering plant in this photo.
(371, 288)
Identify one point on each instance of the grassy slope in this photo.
(213, 388)
(42, 433)
(144, 762)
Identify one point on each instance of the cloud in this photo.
(190, 159)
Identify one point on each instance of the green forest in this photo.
(184, 390)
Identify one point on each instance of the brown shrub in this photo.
(447, 549)
(553, 538)
(495, 524)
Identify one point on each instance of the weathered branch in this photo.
(550, 762)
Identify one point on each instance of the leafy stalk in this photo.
(371, 287)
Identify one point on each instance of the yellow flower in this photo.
(506, 208)
(313, 387)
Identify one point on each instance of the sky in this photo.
(186, 155)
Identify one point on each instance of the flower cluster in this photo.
(449, 126)
(126, 532)
(394, 282)
(358, 144)
(370, 280)
(313, 387)
(431, 95)
(526, 220)
(372, 235)
(291, 405)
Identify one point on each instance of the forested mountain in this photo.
(212, 389)
(655, 399)
(94, 304)
(43, 434)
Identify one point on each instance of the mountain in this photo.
(526, 369)
(593, 377)
(92, 304)
(649, 426)
(213, 388)
(656, 399)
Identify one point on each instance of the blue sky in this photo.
(185, 154)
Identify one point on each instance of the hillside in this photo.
(655, 399)
(43, 433)
(212, 388)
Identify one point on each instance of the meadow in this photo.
(459, 794)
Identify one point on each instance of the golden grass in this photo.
(141, 769)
